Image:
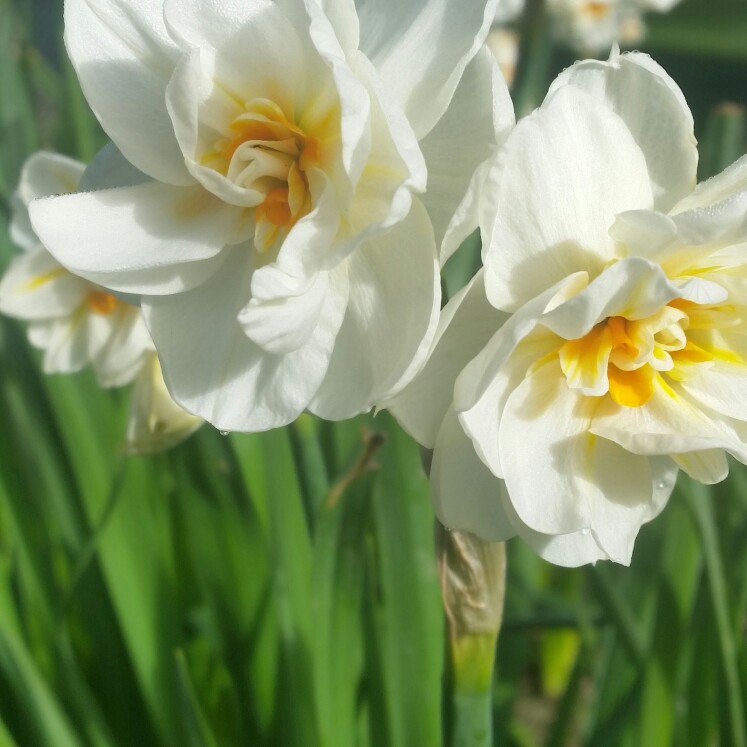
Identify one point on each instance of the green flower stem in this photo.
(473, 578)
(473, 657)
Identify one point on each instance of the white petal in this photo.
(309, 246)
(721, 222)
(721, 387)
(390, 321)
(36, 286)
(731, 180)
(645, 233)
(708, 466)
(43, 174)
(579, 548)
(151, 238)
(480, 372)
(544, 451)
(421, 48)
(560, 178)
(214, 370)
(466, 323)
(127, 345)
(563, 480)
(479, 117)
(344, 19)
(483, 419)
(669, 423)
(282, 323)
(46, 174)
(65, 343)
(124, 59)
(633, 288)
(569, 550)
(395, 167)
(466, 495)
(221, 27)
(653, 107)
(619, 491)
(20, 231)
(359, 100)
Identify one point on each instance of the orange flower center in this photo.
(624, 358)
(270, 154)
(101, 302)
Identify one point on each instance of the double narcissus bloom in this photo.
(587, 26)
(592, 26)
(604, 344)
(283, 255)
(77, 323)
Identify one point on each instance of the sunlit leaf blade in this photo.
(409, 617)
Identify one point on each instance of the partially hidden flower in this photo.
(285, 254)
(78, 323)
(592, 26)
(75, 322)
(618, 290)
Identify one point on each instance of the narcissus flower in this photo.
(619, 296)
(284, 258)
(75, 322)
(78, 323)
(592, 26)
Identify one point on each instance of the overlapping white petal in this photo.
(467, 322)
(557, 164)
(421, 49)
(375, 353)
(654, 109)
(235, 384)
(124, 58)
(165, 238)
(455, 148)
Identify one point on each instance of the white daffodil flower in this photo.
(618, 290)
(592, 26)
(75, 322)
(156, 422)
(284, 259)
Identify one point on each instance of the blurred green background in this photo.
(281, 589)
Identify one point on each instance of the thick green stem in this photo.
(472, 584)
(473, 657)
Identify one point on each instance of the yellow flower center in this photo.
(624, 358)
(270, 154)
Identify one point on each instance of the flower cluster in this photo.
(286, 179)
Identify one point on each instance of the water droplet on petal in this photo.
(223, 433)
(585, 531)
(662, 485)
